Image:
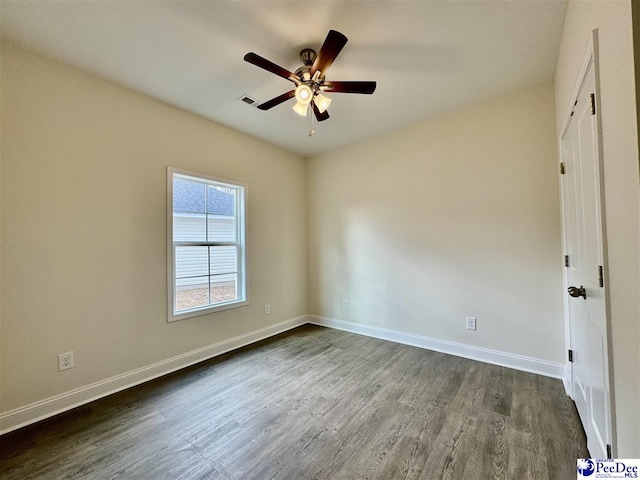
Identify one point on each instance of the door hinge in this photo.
(600, 275)
(562, 169)
(566, 261)
(593, 104)
(609, 451)
(571, 355)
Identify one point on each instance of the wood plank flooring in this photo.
(314, 403)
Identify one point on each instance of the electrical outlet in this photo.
(345, 304)
(65, 361)
(471, 323)
(267, 309)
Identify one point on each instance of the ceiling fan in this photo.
(310, 78)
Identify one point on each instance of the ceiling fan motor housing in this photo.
(308, 56)
(305, 77)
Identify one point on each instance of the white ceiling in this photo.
(428, 57)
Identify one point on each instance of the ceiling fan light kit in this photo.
(303, 95)
(322, 102)
(310, 79)
(301, 108)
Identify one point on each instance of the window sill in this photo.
(206, 310)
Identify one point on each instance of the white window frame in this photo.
(241, 221)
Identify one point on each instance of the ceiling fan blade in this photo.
(321, 117)
(330, 49)
(277, 101)
(349, 87)
(269, 66)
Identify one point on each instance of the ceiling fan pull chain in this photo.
(310, 113)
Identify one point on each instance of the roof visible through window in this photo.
(190, 197)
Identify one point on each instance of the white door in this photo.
(584, 243)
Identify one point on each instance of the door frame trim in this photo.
(591, 58)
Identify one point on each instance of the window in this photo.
(206, 244)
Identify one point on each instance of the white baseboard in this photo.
(22, 416)
(28, 414)
(495, 357)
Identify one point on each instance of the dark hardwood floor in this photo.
(314, 403)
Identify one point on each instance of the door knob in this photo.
(577, 292)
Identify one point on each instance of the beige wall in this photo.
(456, 216)
(622, 199)
(83, 185)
